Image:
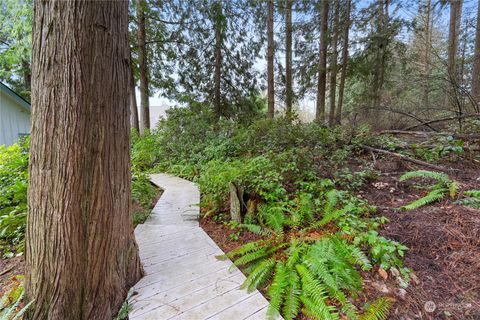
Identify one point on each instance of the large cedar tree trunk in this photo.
(288, 58)
(270, 62)
(322, 64)
(142, 61)
(81, 255)
(343, 73)
(476, 63)
(333, 72)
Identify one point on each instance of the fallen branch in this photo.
(6, 271)
(428, 123)
(405, 158)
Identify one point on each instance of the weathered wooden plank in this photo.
(184, 280)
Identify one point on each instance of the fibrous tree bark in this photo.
(142, 66)
(81, 255)
(322, 64)
(334, 57)
(270, 62)
(217, 100)
(343, 72)
(288, 58)
(476, 62)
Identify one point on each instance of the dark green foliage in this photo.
(472, 199)
(13, 195)
(316, 239)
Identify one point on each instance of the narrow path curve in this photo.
(183, 278)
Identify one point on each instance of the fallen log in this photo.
(405, 158)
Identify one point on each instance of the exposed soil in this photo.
(443, 240)
(9, 269)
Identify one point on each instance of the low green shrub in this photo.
(13, 195)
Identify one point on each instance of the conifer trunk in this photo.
(454, 30)
(428, 46)
(322, 64)
(81, 254)
(476, 63)
(218, 60)
(270, 62)
(133, 100)
(343, 73)
(142, 61)
(288, 58)
(333, 72)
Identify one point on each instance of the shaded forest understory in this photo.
(443, 242)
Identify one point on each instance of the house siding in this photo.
(14, 120)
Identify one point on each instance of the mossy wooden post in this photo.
(235, 203)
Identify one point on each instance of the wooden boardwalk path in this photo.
(183, 278)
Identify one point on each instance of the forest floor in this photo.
(443, 240)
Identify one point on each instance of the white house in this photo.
(14, 116)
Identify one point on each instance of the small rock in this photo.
(383, 273)
(402, 283)
(381, 287)
(414, 279)
(395, 272)
(401, 293)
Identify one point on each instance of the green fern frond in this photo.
(276, 290)
(431, 197)
(473, 193)
(377, 310)
(294, 254)
(250, 257)
(291, 307)
(246, 248)
(315, 292)
(275, 219)
(331, 201)
(317, 311)
(335, 214)
(425, 174)
(259, 275)
(453, 189)
(256, 229)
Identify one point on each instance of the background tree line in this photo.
(388, 63)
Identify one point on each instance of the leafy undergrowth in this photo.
(303, 192)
